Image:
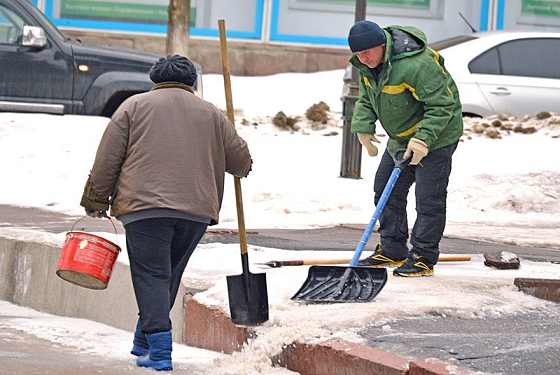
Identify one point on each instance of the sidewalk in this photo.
(503, 344)
(25, 354)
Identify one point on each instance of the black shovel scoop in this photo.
(341, 284)
(248, 297)
(351, 284)
(247, 293)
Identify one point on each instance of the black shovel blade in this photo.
(248, 298)
(341, 284)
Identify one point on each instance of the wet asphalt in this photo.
(521, 344)
(524, 344)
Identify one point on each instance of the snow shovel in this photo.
(247, 293)
(351, 284)
(314, 262)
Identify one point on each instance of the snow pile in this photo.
(498, 126)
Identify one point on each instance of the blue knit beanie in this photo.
(365, 35)
(173, 69)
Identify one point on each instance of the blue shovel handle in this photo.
(399, 166)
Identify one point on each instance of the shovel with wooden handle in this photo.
(247, 293)
(316, 262)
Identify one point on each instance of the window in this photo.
(533, 57)
(536, 57)
(486, 63)
(11, 27)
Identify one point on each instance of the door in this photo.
(525, 78)
(32, 79)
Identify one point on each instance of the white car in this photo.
(498, 72)
(513, 73)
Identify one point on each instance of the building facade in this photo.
(272, 36)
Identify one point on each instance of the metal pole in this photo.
(359, 15)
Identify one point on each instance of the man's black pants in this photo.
(431, 178)
(158, 251)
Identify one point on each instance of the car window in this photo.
(11, 27)
(536, 57)
(486, 63)
(532, 57)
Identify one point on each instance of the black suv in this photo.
(41, 70)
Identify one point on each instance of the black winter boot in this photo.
(379, 259)
(415, 265)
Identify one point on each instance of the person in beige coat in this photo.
(161, 166)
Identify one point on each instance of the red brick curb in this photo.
(338, 356)
(433, 366)
(209, 327)
(548, 289)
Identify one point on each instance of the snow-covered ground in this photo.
(505, 187)
(502, 189)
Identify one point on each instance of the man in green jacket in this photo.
(404, 85)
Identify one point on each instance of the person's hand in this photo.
(366, 140)
(93, 201)
(96, 214)
(417, 149)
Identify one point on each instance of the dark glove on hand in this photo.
(96, 214)
(93, 201)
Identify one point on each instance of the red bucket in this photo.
(87, 260)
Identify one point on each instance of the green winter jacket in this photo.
(415, 96)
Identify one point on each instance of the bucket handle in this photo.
(108, 217)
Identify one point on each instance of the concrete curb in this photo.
(208, 327)
(28, 278)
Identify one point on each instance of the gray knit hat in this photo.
(365, 35)
(173, 69)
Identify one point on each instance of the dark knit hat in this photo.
(173, 68)
(365, 35)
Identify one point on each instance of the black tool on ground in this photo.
(351, 284)
(247, 293)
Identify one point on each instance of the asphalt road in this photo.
(527, 344)
(522, 344)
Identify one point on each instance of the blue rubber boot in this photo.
(140, 343)
(159, 357)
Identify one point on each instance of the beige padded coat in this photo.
(167, 148)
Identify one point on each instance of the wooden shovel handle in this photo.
(231, 117)
(311, 262)
(454, 258)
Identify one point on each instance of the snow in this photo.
(94, 338)
(503, 189)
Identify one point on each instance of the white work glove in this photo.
(366, 140)
(418, 149)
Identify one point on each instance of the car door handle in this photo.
(500, 91)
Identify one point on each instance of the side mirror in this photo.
(34, 37)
